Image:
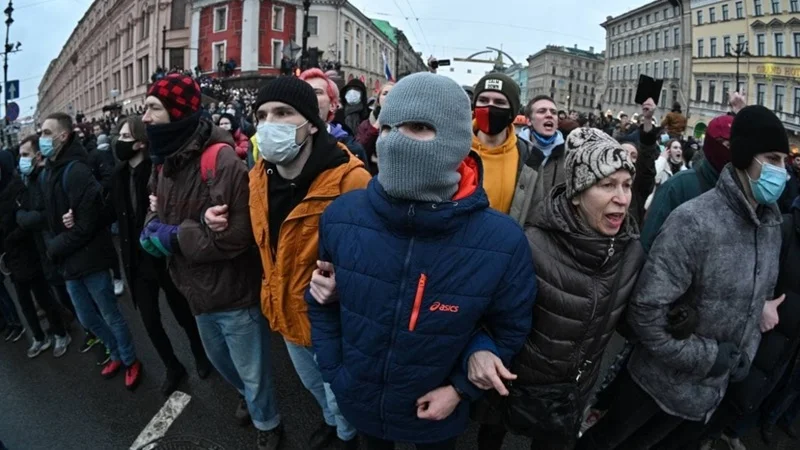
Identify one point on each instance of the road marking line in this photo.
(163, 419)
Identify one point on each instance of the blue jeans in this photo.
(111, 328)
(7, 307)
(237, 343)
(305, 363)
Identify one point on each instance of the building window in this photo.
(641, 44)
(638, 69)
(277, 52)
(129, 77)
(666, 69)
(700, 48)
(631, 72)
(725, 12)
(656, 71)
(220, 19)
(625, 47)
(663, 98)
(640, 22)
(740, 40)
(797, 101)
(624, 73)
(712, 91)
(797, 45)
(648, 19)
(761, 44)
(277, 21)
(698, 94)
(312, 25)
(699, 17)
(666, 38)
(586, 76)
(740, 86)
(144, 70)
(757, 7)
(726, 88)
(674, 96)
(780, 96)
(712, 14)
(726, 44)
(630, 96)
(779, 44)
(677, 40)
(739, 10)
(347, 27)
(761, 93)
(712, 43)
(647, 68)
(358, 55)
(347, 51)
(657, 40)
(219, 52)
(776, 6)
(794, 6)
(144, 31)
(554, 70)
(552, 83)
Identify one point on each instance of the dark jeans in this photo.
(634, 421)
(39, 287)
(60, 293)
(379, 444)
(7, 307)
(490, 437)
(145, 295)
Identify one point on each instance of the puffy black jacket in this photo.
(86, 248)
(21, 256)
(580, 301)
(778, 348)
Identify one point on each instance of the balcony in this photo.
(790, 121)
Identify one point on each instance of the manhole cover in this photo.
(182, 443)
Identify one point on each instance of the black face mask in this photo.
(125, 150)
(493, 120)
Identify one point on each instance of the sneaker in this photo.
(90, 341)
(242, 413)
(119, 287)
(61, 345)
(11, 331)
(111, 369)
(270, 440)
(175, 375)
(322, 437)
(133, 375)
(734, 443)
(103, 356)
(708, 444)
(39, 346)
(18, 333)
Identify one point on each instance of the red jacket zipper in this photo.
(412, 323)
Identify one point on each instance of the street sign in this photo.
(12, 112)
(12, 90)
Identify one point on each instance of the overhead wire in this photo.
(414, 14)
(410, 28)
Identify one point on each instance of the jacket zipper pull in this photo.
(411, 214)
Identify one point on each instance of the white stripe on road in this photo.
(163, 419)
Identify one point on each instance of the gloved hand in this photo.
(728, 357)
(147, 244)
(163, 236)
(741, 369)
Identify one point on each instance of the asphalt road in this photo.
(64, 404)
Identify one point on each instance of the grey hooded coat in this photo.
(724, 253)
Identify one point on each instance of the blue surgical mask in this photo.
(46, 146)
(25, 165)
(277, 142)
(664, 138)
(769, 186)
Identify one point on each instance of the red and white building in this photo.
(251, 32)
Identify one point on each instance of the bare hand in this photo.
(438, 404)
(487, 372)
(737, 101)
(68, 219)
(323, 283)
(769, 315)
(648, 108)
(216, 218)
(153, 203)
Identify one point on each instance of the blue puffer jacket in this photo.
(414, 282)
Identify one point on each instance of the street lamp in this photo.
(738, 52)
(9, 48)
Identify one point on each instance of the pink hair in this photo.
(332, 90)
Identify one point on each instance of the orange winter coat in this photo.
(288, 273)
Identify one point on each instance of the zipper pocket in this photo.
(412, 322)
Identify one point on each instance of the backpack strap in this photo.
(208, 162)
(64, 176)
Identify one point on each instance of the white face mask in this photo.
(231, 112)
(352, 97)
(277, 142)
(226, 126)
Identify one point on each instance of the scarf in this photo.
(547, 145)
(168, 138)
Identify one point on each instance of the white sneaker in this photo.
(733, 443)
(38, 347)
(119, 287)
(61, 345)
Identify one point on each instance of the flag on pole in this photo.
(386, 70)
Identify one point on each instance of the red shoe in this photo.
(133, 375)
(110, 369)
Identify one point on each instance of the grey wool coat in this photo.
(725, 254)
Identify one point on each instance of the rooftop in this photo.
(572, 51)
(387, 29)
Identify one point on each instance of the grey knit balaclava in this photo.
(592, 155)
(424, 171)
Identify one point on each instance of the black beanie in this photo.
(232, 120)
(294, 92)
(500, 83)
(756, 130)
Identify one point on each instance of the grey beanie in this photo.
(592, 155)
(424, 171)
(103, 143)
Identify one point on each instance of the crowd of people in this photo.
(428, 257)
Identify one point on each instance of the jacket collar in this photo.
(731, 190)
(406, 217)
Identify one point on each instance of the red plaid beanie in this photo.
(179, 94)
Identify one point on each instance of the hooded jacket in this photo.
(674, 123)
(287, 239)
(414, 281)
(85, 248)
(214, 271)
(349, 141)
(367, 136)
(725, 254)
(354, 114)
